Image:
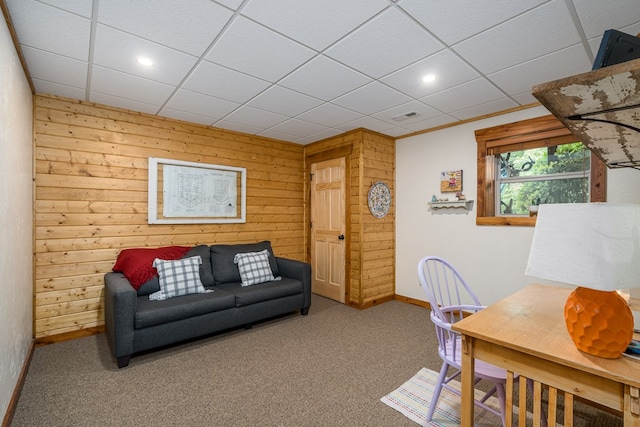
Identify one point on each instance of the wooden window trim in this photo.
(519, 136)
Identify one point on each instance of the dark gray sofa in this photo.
(134, 323)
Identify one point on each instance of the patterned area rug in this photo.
(412, 399)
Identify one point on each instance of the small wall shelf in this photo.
(465, 204)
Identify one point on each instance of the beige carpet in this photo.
(329, 368)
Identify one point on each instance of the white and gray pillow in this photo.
(178, 277)
(254, 267)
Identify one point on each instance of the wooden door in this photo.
(328, 228)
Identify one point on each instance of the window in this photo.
(532, 162)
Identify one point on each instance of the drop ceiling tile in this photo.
(327, 133)
(387, 43)
(524, 98)
(447, 67)
(186, 116)
(484, 109)
(255, 117)
(284, 101)
(367, 123)
(202, 105)
(58, 32)
(189, 29)
(79, 7)
(478, 91)
(233, 4)
(225, 83)
(118, 51)
(423, 112)
(431, 123)
(397, 131)
(540, 31)
(249, 48)
(597, 16)
(372, 98)
(296, 128)
(238, 127)
(127, 104)
(543, 69)
(321, 24)
(56, 68)
(324, 78)
(456, 20)
(121, 85)
(329, 115)
(44, 86)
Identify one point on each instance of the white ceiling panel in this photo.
(203, 105)
(57, 31)
(189, 29)
(330, 115)
(456, 20)
(401, 40)
(61, 69)
(540, 31)
(324, 78)
(225, 83)
(372, 98)
(118, 50)
(121, 85)
(475, 92)
(445, 65)
(252, 49)
(305, 70)
(321, 24)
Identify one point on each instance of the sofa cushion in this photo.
(206, 277)
(254, 267)
(223, 268)
(151, 313)
(247, 295)
(178, 277)
(136, 263)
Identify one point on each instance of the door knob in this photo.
(341, 237)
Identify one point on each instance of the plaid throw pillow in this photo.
(254, 267)
(180, 277)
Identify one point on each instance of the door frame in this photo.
(344, 151)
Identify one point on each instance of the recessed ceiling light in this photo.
(143, 60)
(428, 78)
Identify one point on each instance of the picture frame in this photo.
(183, 192)
(451, 181)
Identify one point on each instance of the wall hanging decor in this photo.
(451, 181)
(379, 199)
(195, 193)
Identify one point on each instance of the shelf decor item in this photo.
(451, 181)
(593, 246)
(379, 199)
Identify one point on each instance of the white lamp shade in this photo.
(594, 245)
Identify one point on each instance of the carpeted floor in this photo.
(329, 368)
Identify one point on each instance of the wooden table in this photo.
(525, 333)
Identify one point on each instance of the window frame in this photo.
(542, 131)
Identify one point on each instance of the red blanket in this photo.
(136, 263)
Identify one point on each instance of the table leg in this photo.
(466, 382)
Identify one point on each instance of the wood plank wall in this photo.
(371, 259)
(91, 199)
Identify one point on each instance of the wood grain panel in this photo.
(91, 199)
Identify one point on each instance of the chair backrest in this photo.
(449, 296)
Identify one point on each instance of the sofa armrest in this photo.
(297, 270)
(120, 300)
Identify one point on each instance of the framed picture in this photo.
(195, 193)
(451, 181)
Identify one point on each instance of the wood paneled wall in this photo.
(371, 244)
(91, 199)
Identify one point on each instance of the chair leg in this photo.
(502, 401)
(436, 391)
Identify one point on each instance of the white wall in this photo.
(491, 258)
(16, 217)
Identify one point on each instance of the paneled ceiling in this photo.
(305, 70)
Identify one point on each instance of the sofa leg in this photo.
(123, 361)
(304, 311)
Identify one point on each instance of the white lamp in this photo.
(595, 246)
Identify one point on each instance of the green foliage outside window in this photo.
(556, 174)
